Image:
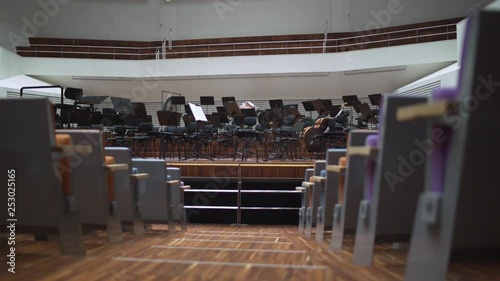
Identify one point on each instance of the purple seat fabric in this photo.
(440, 155)
(371, 141)
(441, 150)
(445, 94)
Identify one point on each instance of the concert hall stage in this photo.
(245, 192)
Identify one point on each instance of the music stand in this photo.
(275, 104)
(207, 100)
(92, 100)
(356, 104)
(163, 117)
(375, 99)
(334, 110)
(123, 106)
(140, 109)
(308, 106)
(187, 109)
(232, 108)
(174, 119)
(221, 109)
(214, 119)
(320, 107)
(367, 113)
(178, 99)
(328, 104)
(275, 117)
(350, 100)
(222, 117)
(227, 99)
(249, 112)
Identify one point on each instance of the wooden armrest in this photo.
(137, 177)
(116, 167)
(319, 179)
(426, 110)
(173, 182)
(368, 151)
(186, 187)
(336, 169)
(73, 149)
(300, 188)
(307, 184)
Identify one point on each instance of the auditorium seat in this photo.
(48, 205)
(128, 186)
(94, 179)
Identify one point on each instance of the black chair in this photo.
(247, 138)
(143, 138)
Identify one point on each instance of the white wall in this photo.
(432, 52)
(328, 85)
(151, 19)
(10, 64)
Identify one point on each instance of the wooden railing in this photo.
(242, 46)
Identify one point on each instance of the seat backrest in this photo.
(30, 158)
(123, 188)
(154, 198)
(90, 182)
(250, 121)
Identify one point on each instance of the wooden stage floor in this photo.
(215, 252)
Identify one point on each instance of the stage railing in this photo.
(342, 42)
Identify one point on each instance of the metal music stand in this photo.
(334, 110)
(222, 117)
(275, 104)
(367, 113)
(163, 117)
(375, 99)
(91, 100)
(232, 108)
(350, 100)
(207, 100)
(123, 106)
(227, 99)
(327, 103)
(187, 109)
(320, 107)
(308, 106)
(221, 109)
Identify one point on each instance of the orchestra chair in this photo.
(345, 212)
(127, 186)
(328, 185)
(143, 138)
(156, 200)
(247, 138)
(314, 195)
(394, 177)
(304, 199)
(46, 201)
(94, 177)
(457, 214)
